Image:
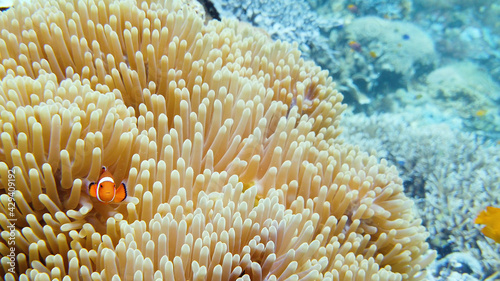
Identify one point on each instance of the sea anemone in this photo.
(227, 142)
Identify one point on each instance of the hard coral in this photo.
(400, 46)
(469, 92)
(452, 173)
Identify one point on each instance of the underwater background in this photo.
(421, 80)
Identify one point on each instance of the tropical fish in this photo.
(353, 8)
(105, 190)
(355, 46)
(480, 112)
(491, 218)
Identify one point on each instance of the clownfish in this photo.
(491, 218)
(105, 190)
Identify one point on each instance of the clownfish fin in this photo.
(121, 193)
(93, 189)
(103, 169)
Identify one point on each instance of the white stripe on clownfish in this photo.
(105, 179)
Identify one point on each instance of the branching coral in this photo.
(227, 142)
(454, 176)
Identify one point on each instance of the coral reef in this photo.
(387, 9)
(463, 30)
(398, 46)
(449, 4)
(457, 266)
(469, 91)
(289, 21)
(384, 64)
(380, 56)
(451, 175)
(227, 141)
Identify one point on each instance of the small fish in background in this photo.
(6, 4)
(481, 113)
(105, 190)
(353, 8)
(373, 54)
(355, 46)
(491, 218)
(405, 37)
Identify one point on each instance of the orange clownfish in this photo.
(105, 190)
(491, 218)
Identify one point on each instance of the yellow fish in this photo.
(491, 218)
(105, 190)
(481, 112)
(353, 8)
